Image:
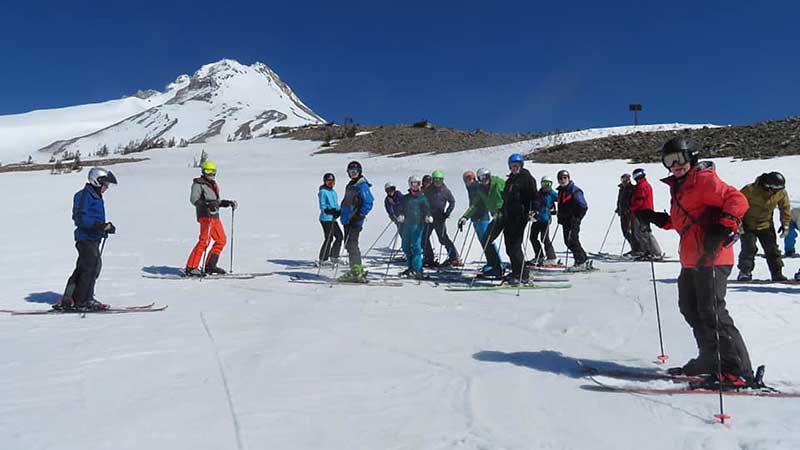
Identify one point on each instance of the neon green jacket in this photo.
(490, 199)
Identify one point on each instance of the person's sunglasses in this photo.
(352, 172)
(773, 187)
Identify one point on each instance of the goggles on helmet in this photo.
(671, 159)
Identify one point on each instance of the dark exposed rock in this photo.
(756, 141)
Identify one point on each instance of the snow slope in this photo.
(264, 363)
(222, 101)
(22, 135)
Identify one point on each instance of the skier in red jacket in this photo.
(706, 213)
(642, 199)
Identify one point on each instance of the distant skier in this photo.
(441, 203)
(489, 198)
(520, 204)
(706, 213)
(89, 216)
(414, 215)
(572, 208)
(642, 199)
(764, 195)
(544, 253)
(624, 212)
(357, 203)
(480, 217)
(206, 200)
(791, 236)
(328, 213)
(427, 246)
(393, 204)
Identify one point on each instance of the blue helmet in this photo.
(516, 158)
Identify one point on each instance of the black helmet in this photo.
(638, 174)
(328, 176)
(773, 181)
(562, 174)
(680, 145)
(354, 165)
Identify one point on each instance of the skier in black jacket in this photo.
(519, 202)
(624, 211)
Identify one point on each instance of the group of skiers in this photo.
(497, 206)
(706, 212)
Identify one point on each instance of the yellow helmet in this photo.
(208, 168)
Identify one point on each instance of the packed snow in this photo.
(264, 363)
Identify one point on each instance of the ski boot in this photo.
(356, 274)
(64, 304)
(455, 262)
(744, 276)
(91, 306)
(790, 254)
(211, 266)
(585, 266)
(193, 272)
(797, 276)
(778, 276)
(695, 366)
(724, 381)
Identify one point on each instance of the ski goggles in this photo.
(671, 159)
(773, 187)
(353, 172)
(485, 178)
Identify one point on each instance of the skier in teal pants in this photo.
(415, 213)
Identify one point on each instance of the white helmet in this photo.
(389, 185)
(483, 173)
(99, 176)
(546, 179)
(413, 179)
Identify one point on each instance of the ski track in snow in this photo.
(357, 367)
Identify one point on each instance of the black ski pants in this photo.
(540, 235)
(701, 299)
(514, 235)
(572, 239)
(440, 227)
(80, 286)
(351, 236)
(769, 243)
(627, 231)
(332, 244)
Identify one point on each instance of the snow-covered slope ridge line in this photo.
(223, 101)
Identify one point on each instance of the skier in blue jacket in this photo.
(89, 216)
(415, 215)
(540, 226)
(328, 213)
(357, 203)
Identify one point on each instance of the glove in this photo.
(212, 204)
(658, 219)
(329, 210)
(428, 219)
(336, 213)
(782, 232)
(716, 235)
(228, 204)
(401, 218)
(109, 228)
(533, 216)
(461, 222)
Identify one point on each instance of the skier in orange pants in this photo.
(206, 200)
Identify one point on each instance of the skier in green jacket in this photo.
(489, 197)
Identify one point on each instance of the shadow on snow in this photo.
(50, 298)
(163, 270)
(554, 362)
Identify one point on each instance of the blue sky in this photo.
(499, 65)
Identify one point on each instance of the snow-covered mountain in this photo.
(223, 101)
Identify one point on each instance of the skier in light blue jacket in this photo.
(328, 213)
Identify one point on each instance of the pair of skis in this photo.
(657, 382)
(113, 310)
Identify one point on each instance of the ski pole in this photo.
(233, 214)
(662, 357)
(613, 216)
(524, 255)
(453, 241)
(721, 416)
(466, 255)
(103, 245)
(392, 255)
(622, 252)
(346, 241)
(378, 239)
